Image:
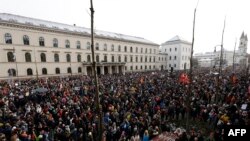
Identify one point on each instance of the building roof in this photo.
(177, 38)
(70, 28)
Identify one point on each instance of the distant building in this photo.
(32, 47)
(237, 57)
(179, 52)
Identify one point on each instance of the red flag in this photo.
(184, 78)
(234, 79)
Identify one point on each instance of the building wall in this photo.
(19, 49)
(178, 54)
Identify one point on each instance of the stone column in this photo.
(116, 69)
(84, 70)
(102, 69)
(109, 69)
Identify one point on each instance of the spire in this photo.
(242, 35)
(246, 38)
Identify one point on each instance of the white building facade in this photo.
(32, 47)
(178, 51)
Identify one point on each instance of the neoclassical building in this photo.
(179, 52)
(32, 47)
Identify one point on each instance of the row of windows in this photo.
(175, 58)
(183, 65)
(137, 68)
(175, 49)
(26, 41)
(11, 58)
(12, 72)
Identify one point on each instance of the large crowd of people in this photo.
(136, 106)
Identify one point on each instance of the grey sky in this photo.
(155, 20)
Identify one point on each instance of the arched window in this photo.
(57, 70)
(41, 41)
(131, 67)
(119, 58)
(119, 48)
(29, 71)
(141, 50)
(170, 57)
(12, 72)
(113, 58)
(79, 58)
(131, 49)
(8, 38)
(68, 57)
(125, 49)
(27, 57)
(154, 59)
(96, 46)
(150, 59)
(44, 71)
(146, 59)
(55, 42)
(78, 44)
(125, 58)
(174, 57)
(11, 57)
(88, 58)
(136, 67)
(112, 47)
(69, 70)
(79, 70)
(105, 47)
(141, 59)
(26, 40)
(141, 67)
(105, 58)
(56, 57)
(97, 58)
(131, 58)
(67, 44)
(136, 59)
(43, 57)
(136, 49)
(88, 45)
(145, 67)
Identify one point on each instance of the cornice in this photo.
(54, 30)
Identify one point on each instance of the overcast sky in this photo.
(155, 20)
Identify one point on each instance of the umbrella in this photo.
(41, 90)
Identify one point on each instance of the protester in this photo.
(135, 106)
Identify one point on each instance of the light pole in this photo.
(214, 54)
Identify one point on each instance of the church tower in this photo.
(243, 44)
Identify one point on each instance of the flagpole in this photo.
(190, 73)
(97, 100)
(234, 56)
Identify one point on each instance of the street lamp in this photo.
(216, 57)
(220, 70)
